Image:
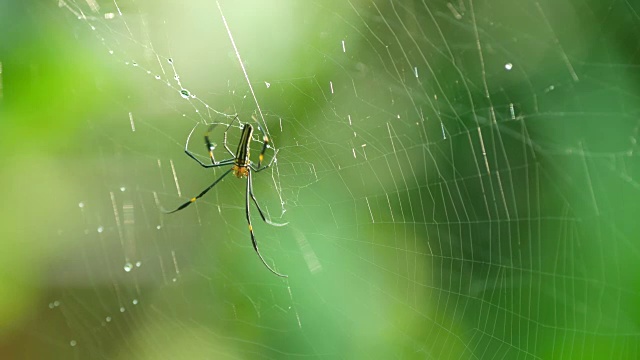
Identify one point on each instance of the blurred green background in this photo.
(460, 180)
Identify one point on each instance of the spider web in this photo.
(459, 179)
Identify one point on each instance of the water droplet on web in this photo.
(185, 93)
(108, 318)
(135, 302)
(56, 303)
(122, 188)
(122, 309)
(267, 84)
(170, 60)
(158, 227)
(138, 263)
(174, 279)
(157, 77)
(81, 204)
(51, 306)
(134, 63)
(110, 52)
(93, 27)
(508, 66)
(72, 343)
(128, 267)
(100, 229)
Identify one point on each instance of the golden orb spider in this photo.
(242, 167)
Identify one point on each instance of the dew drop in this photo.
(122, 188)
(157, 77)
(128, 267)
(138, 263)
(108, 318)
(51, 306)
(72, 343)
(81, 204)
(135, 302)
(170, 60)
(508, 66)
(110, 52)
(100, 229)
(158, 227)
(122, 309)
(134, 63)
(56, 303)
(185, 93)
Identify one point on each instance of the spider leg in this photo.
(253, 238)
(264, 167)
(207, 142)
(253, 197)
(193, 199)
(265, 144)
(213, 162)
(224, 142)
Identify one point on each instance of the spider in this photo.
(242, 167)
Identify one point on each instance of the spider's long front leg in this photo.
(224, 142)
(193, 156)
(248, 213)
(193, 199)
(255, 201)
